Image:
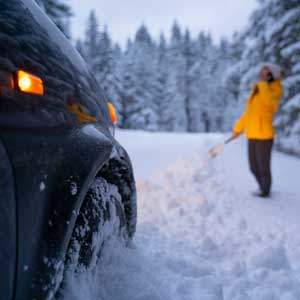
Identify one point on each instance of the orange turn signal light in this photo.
(29, 83)
(112, 112)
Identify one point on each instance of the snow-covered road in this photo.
(201, 235)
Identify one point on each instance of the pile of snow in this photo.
(200, 235)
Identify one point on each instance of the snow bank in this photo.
(199, 236)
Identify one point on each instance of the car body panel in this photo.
(8, 230)
(49, 191)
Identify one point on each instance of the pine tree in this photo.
(197, 86)
(105, 64)
(177, 85)
(204, 83)
(232, 81)
(273, 36)
(161, 99)
(115, 90)
(127, 86)
(139, 83)
(144, 115)
(176, 82)
(59, 12)
(91, 44)
(249, 51)
(104, 60)
(189, 58)
(283, 47)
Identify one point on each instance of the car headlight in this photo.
(29, 83)
(112, 112)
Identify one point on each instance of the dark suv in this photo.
(63, 176)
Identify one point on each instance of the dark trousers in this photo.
(260, 162)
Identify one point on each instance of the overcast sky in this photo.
(123, 17)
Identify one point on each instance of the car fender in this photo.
(8, 230)
(54, 169)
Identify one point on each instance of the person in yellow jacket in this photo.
(257, 125)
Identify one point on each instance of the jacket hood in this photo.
(276, 70)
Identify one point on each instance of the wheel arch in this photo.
(118, 171)
(53, 171)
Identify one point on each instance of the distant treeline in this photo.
(191, 83)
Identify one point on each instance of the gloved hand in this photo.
(255, 89)
(235, 135)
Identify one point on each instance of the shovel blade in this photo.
(217, 150)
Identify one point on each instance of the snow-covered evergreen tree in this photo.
(177, 85)
(91, 44)
(176, 82)
(206, 77)
(140, 95)
(273, 36)
(106, 64)
(126, 72)
(191, 111)
(188, 84)
(199, 92)
(137, 77)
(232, 81)
(115, 88)
(283, 47)
(103, 59)
(162, 101)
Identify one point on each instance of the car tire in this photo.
(101, 217)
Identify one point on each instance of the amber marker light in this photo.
(112, 113)
(29, 83)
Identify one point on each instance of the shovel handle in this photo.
(232, 138)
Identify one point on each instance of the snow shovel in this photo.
(217, 150)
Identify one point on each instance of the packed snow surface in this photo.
(201, 235)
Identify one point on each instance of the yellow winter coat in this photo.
(257, 119)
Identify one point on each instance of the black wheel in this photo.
(101, 217)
